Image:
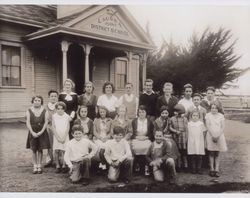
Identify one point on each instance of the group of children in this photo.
(150, 135)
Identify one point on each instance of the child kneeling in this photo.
(119, 157)
(160, 159)
(78, 156)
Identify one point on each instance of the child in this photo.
(162, 124)
(160, 159)
(197, 107)
(130, 101)
(121, 120)
(102, 133)
(141, 139)
(89, 100)
(149, 99)
(215, 138)
(196, 129)
(51, 108)
(37, 120)
(119, 157)
(78, 157)
(178, 125)
(60, 125)
(187, 100)
(85, 122)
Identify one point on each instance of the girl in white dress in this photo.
(60, 127)
(196, 148)
(215, 138)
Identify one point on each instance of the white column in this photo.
(144, 68)
(130, 56)
(87, 49)
(64, 48)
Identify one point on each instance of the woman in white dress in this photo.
(215, 138)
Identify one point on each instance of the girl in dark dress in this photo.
(38, 139)
(89, 100)
(70, 99)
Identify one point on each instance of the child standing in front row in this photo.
(37, 120)
(78, 156)
(60, 126)
(215, 138)
(85, 122)
(196, 130)
(178, 125)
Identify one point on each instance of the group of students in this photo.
(150, 135)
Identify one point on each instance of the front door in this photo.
(76, 60)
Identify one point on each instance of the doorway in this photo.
(76, 70)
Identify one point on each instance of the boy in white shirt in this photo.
(78, 157)
(119, 157)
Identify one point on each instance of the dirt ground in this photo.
(16, 168)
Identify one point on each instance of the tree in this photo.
(207, 61)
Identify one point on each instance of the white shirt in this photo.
(186, 103)
(76, 149)
(117, 150)
(109, 103)
(142, 127)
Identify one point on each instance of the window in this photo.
(121, 73)
(11, 65)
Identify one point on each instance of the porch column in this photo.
(130, 56)
(144, 69)
(87, 49)
(64, 47)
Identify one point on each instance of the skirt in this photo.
(38, 144)
(140, 147)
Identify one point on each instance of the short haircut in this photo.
(158, 131)
(52, 91)
(61, 104)
(89, 82)
(37, 96)
(168, 84)
(81, 107)
(106, 84)
(211, 88)
(143, 108)
(163, 108)
(149, 80)
(179, 108)
(70, 81)
(129, 83)
(195, 111)
(197, 95)
(215, 104)
(118, 130)
(76, 127)
(187, 86)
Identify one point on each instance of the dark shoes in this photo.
(64, 169)
(85, 182)
(58, 170)
(214, 173)
(48, 164)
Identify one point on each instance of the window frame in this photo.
(115, 74)
(22, 52)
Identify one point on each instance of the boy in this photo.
(160, 158)
(197, 107)
(149, 99)
(77, 155)
(130, 101)
(119, 157)
(50, 107)
(187, 100)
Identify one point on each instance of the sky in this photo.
(179, 22)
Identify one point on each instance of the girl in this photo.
(102, 133)
(178, 125)
(85, 122)
(60, 125)
(37, 120)
(108, 100)
(122, 121)
(70, 99)
(89, 100)
(141, 139)
(215, 138)
(162, 123)
(196, 148)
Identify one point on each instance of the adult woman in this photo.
(89, 100)
(167, 99)
(108, 100)
(70, 99)
(210, 98)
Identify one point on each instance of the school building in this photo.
(42, 45)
